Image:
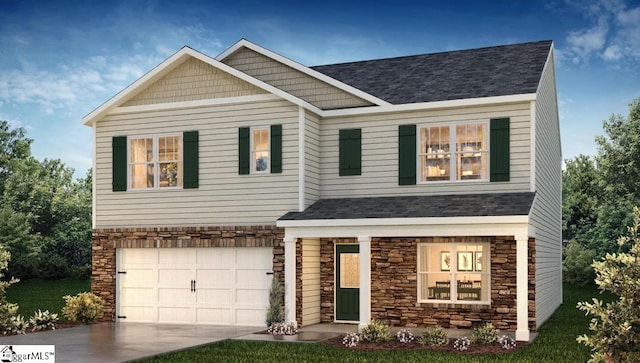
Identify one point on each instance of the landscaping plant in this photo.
(275, 312)
(85, 307)
(461, 344)
(376, 332)
(485, 334)
(616, 325)
(10, 321)
(405, 336)
(43, 320)
(288, 328)
(351, 340)
(434, 336)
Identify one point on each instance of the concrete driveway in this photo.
(121, 342)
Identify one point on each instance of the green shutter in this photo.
(190, 160)
(350, 152)
(276, 148)
(407, 155)
(499, 153)
(243, 151)
(119, 167)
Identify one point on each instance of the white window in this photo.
(155, 162)
(453, 152)
(260, 149)
(454, 273)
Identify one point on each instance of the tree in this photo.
(275, 312)
(14, 146)
(580, 196)
(617, 324)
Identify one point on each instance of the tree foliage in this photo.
(599, 194)
(616, 325)
(45, 213)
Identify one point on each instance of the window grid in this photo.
(260, 147)
(155, 162)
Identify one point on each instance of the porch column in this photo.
(365, 281)
(290, 279)
(522, 286)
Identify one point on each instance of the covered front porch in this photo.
(453, 271)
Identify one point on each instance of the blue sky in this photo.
(61, 59)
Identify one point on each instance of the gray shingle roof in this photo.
(484, 72)
(458, 205)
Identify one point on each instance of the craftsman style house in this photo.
(417, 190)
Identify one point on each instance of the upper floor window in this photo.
(453, 152)
(155, 162)
(260, 149)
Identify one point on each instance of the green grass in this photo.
(556, 343)
(31, 295)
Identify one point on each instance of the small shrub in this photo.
(485, 334)
(275, 312)
(461, 344)
(18, 325)
(53, 267)
(434, 336)
(351, 340)
(43, 320)
(376, 332)
(8, 312)
(288, 328)
(80, 272)
(85, 307)
(507, 342)
(405, 336)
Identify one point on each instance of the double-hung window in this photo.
(454, 273)
(260, 149)
(453, 152)
(155, 162)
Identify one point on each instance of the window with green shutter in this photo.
(260, 150)
(350, 152)
(407, 155)
(499, 154)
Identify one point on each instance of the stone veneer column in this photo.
(365, 281)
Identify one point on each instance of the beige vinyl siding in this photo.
(547, 212)
(312, 159)
(191, 81)
(310, 89)
(223, 196)
(380, 153)
(310, 281)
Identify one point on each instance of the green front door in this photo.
(347, 282)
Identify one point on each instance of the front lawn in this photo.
(556, 343)
(31, 295)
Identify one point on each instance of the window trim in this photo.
(453, 247)
(453, 154)
(156, 162)
(252, 150)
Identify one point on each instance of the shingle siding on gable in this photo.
(380, 153)
(318, 93)
(191, 81)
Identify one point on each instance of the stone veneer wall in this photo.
(394, 285)
(107, 240)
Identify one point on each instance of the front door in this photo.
(347, 282)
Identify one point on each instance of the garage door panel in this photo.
(139, 314)
(213, 277)
(138, 295)
(213, 296)
(175, 315)
(231, 285)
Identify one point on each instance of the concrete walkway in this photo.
(121, 342)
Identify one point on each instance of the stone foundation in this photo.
(394, 285)
(107, 240)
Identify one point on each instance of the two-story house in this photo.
(417, 190)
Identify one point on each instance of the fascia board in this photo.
(302, 68)
(405, 221)
(174, 61)
(425, 106)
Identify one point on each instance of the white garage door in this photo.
(228, 286)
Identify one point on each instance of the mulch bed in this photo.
(396, 345)
(61, 325)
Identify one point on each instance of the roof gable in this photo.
(484, 72)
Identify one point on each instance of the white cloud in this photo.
(612, 53)
(583, 43)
